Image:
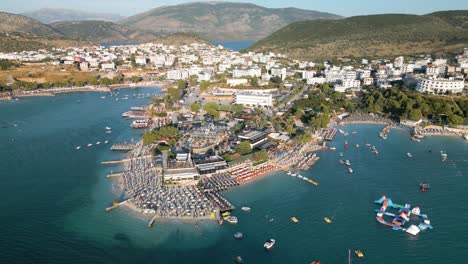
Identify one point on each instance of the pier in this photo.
(114, 175)
(330, 134)
(115, 161)
(123, 146)
(116, 205)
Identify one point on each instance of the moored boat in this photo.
(294, 219)
(269, 244)
(238, 235)
(327, 220)
(232, 220)
(359, 253)
(246, 209)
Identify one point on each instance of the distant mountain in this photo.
(50, 15)
(221, 20)
(100, 31)
(11, 23)
(370, 36)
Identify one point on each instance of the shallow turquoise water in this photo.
(54, 197)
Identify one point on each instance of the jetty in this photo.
(115, 161)
(330, 134)
(123, 146)
(114, 175)
(116, 204)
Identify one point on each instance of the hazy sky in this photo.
(340, 7)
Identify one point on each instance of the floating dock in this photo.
(123, 146)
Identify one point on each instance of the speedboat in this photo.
(108, 128)
(409, 155)
(99, 142)
(238, 235)
(89, 145)
(327, 220)
(359, 253)
(239, 260)
(333, 148)
(232, 220)
(78, 147)
(294, 219)
(269, 244)
(105, 142)
(245, 209)
(350, 170)
(342, 161)
(347, 163)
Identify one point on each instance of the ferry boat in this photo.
(246, 209)
(327, 220)
(350, 170)
(232, 220)
(294, 219)
(359, 253)
(269, 244)
(141, 123)
(238, 235)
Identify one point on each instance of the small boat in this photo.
(368, 145)
(103, 97)
(289, 173)
(347, 163)
(294, 219)
(350, 170)
(342, 162)
(108, 128)
(346, 144)
(271, 220)
(78, 147)
(327, 220)
(359, 253)
(357, 145)
(424, 186)
(333, 148)
(105, 142)
(269, 244)
(246, 209)
(99, 142)
(294, 174)
(239, 260)
(409, 155)
(341, 154)
(300, 176)
(232, 220)
(89, 145)
(238, 235)
(220, 221)
(108, 131)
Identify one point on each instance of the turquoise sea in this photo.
(53, 197)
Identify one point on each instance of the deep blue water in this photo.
(54, 197)
(235, 45)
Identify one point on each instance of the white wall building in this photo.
(316, 80)
(255, 100)
(177, 75)
(235, 82)
(281, 72)
(436, 86)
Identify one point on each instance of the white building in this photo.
(254, 100)
(203, 76)
(437, 86)
(107, 66)
(140, 60)
(407, 68)
(316, 80)
(84, 66)
(308, 74)
(238, 73)
(177, 74)
(236, 82)
(279, 72)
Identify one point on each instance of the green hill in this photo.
(100, 31)
(370, 36)
(221, 20)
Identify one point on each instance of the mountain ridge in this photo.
(220, 20)
(51, 15)
(371, 36)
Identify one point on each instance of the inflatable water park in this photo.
(402, 217)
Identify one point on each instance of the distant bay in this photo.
(235, 45)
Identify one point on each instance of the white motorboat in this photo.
(269, 244)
